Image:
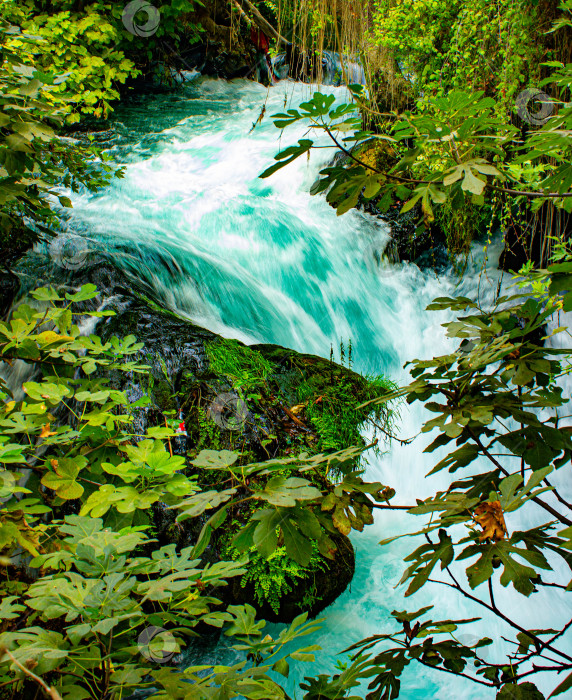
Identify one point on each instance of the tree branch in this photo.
(435, 182)
(261, 22)
(497, 464)
(538, 642)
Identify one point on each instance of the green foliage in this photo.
(77, 490)
(291, 509)
(481, 46)
(209, 432)
(497, 398)
(84, 47)
(335, 410)
(323, 402)
(245, 368)
(34, 161)
(274, 577)
(457, 147)
(463, 225)
(460, 154)
(89, 45)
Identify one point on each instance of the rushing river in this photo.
(263, 261)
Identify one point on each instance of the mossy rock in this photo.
(189, 368)
(291, 403)
(378, 154)
(328, 583)
(294, 403)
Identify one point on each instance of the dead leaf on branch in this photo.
(491, 518)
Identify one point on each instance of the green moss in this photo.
(209, 432)
(164, 397)
(312, 405)
(461, 225)
(332, 406)
(244, 368)
(163, 310)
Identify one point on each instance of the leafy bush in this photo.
(496, 48)
(498, 398)
(458, 146)
(78, 490)
(458, 152)
(34, 161)
(274, 577)
(89, 45)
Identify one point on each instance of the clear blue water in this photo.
(263, 261)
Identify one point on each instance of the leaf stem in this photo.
(51, 692)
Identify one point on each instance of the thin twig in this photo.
(538, 642)
(557, 495)
(51, 692)
(407, 441)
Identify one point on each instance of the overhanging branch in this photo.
(261, 22)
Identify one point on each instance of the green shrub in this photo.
(78, 489)
(333, 406)
(273, 578)
(89, 46)
(34, 161)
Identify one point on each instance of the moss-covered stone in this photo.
(262, 401)
(311, 593)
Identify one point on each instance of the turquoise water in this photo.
(263, 261)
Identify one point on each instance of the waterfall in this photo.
(263, 261)
(333, 68)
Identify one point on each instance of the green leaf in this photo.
(265, 537)
(244, 539)
(288, 156)
(63, 479)
(210, 459)
(409, 617)
(286, 491)
(282, 666)
(297, 546)
(87, 291)
(523, 691)
(244, 622)
(308, 523)
(204, 538)
(563, 687)
(9, 610)
(471, 183)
